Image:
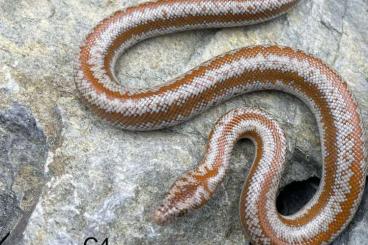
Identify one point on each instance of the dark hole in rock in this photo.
(295, 195)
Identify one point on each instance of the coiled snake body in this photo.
(237, 72)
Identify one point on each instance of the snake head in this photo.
(185, 195)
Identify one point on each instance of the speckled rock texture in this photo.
(23, 151)
(66, 175)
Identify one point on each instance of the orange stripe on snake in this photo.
(231, 74)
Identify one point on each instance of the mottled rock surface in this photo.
(101, 181)
(23, 152)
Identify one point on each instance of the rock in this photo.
(295, 195)
(23, 155)
(101, 181)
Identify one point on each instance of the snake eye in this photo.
(182, 212)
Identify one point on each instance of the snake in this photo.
(237, 72)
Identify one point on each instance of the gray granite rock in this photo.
(101, 181)
(23, 152)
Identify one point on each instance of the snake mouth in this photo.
(166, 214)
(185, 195)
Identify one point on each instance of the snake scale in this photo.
(234, 73)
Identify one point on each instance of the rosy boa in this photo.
(231, 74)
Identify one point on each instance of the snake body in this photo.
(231, 74)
